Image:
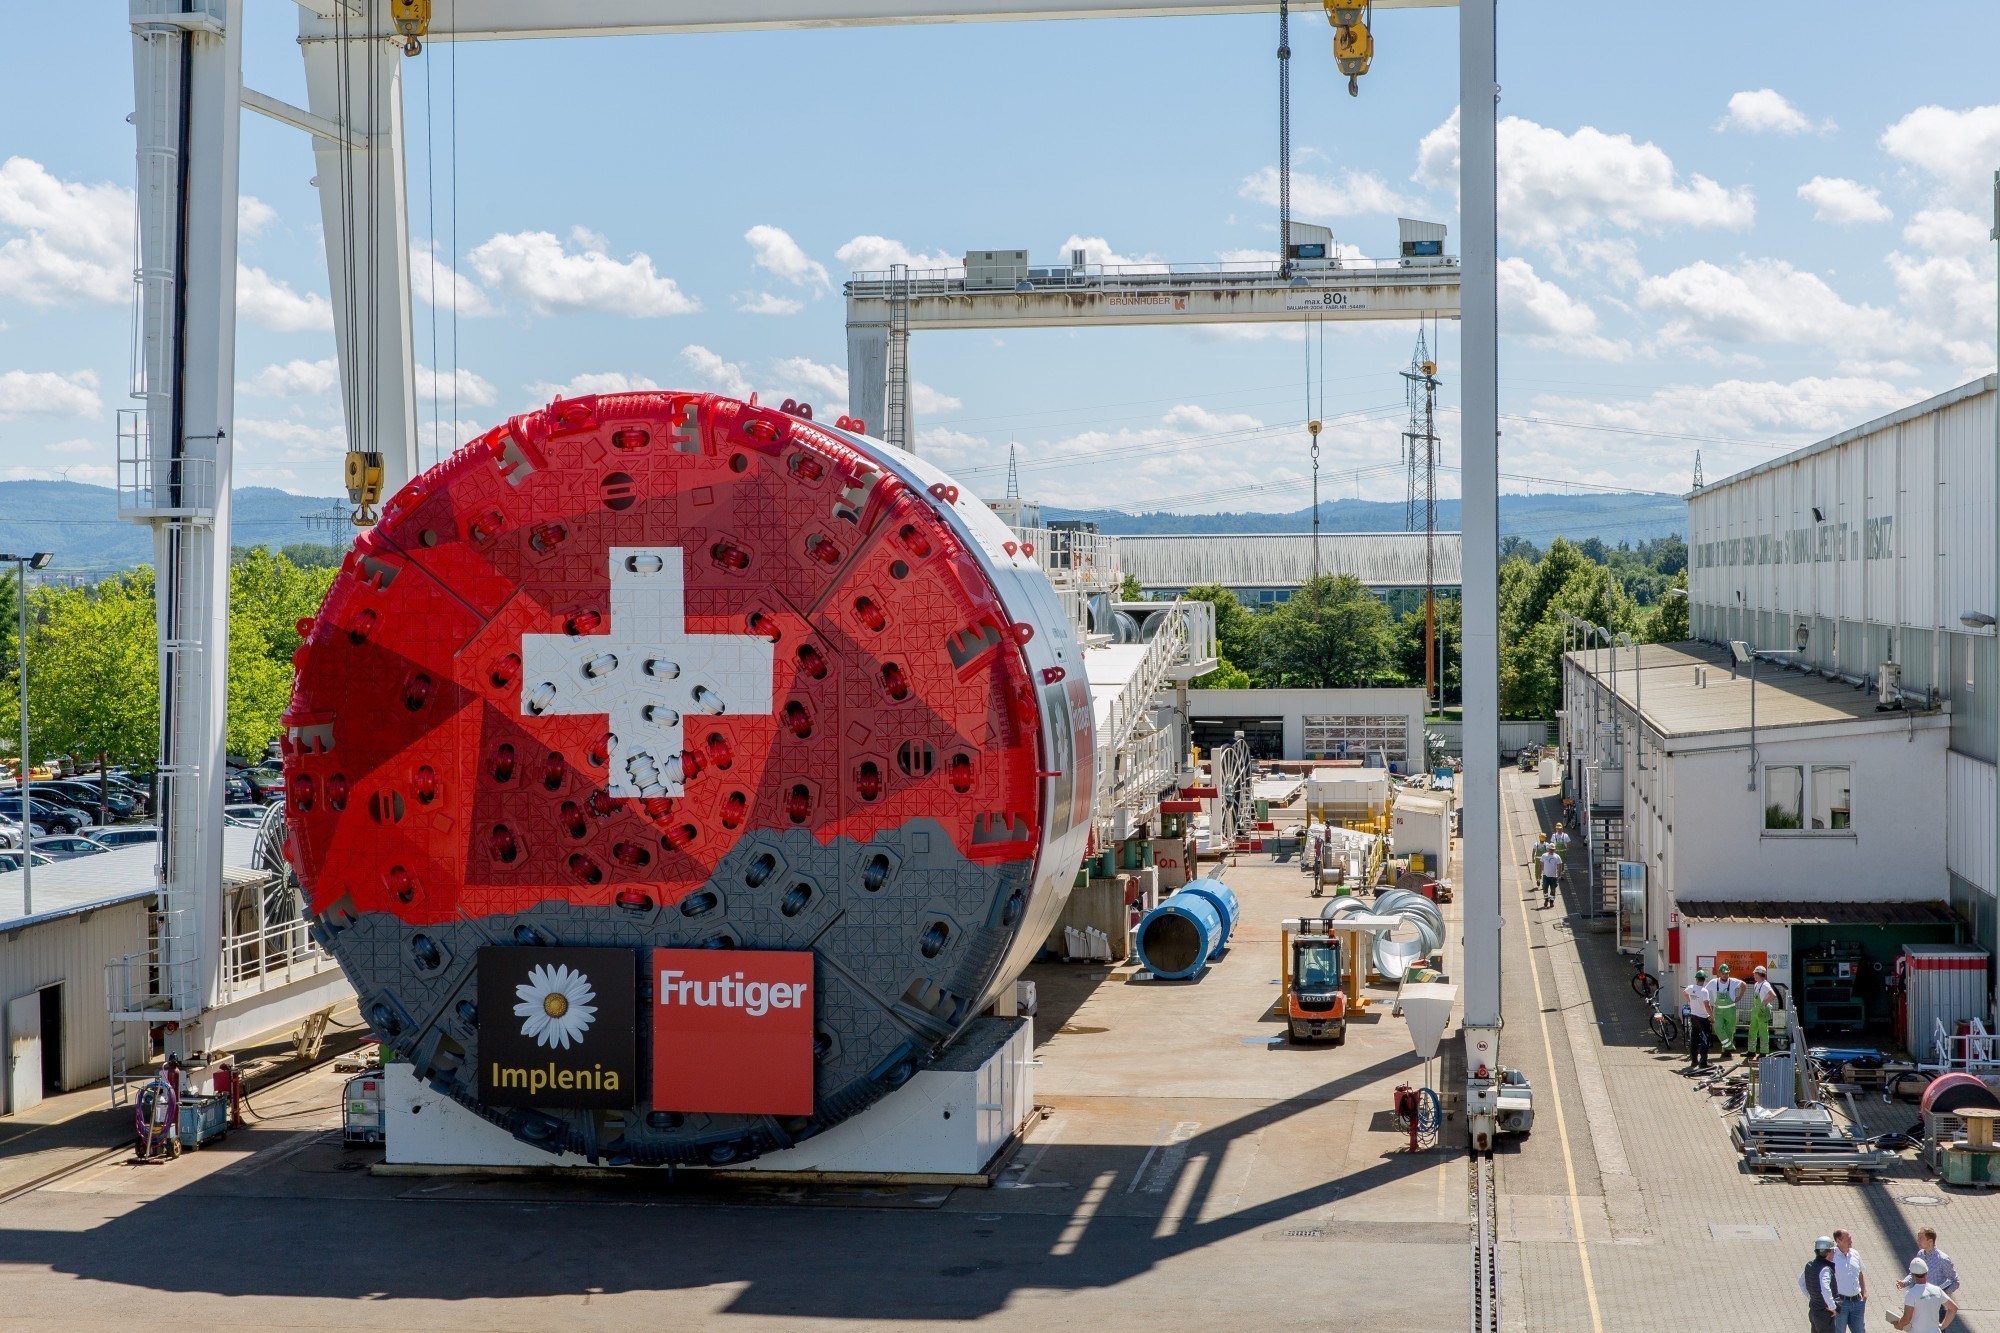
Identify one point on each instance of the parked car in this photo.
(10, 833)
(11, 860)
(236, 788)
(121, 782)
(55, 818)
(129, 835)
(69, 846)
(89, 796)
(267, 782)
(248, 815)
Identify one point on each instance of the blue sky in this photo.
(1737, 241)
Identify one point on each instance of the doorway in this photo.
(52, 1040)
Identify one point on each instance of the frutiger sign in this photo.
(733, 1031)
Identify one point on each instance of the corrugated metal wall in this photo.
(1901, 547)
(1968, 786)
(73, 951)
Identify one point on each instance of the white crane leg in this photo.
(188, 83)
(364, 206)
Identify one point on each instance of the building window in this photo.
(1329, 736)
(1815, 799)
(1784, 798)
(1832, 790)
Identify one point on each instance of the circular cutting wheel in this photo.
(668, 670)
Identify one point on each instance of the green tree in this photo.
(1669, 621)
(93, 672)
(1130, 591)
(1533, 596)
(268, 596)
(1235, 638)
(1333, 633)
(1410, 646)
(312, 555)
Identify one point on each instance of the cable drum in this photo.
(1393, 956)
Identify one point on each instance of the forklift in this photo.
(1311, 993)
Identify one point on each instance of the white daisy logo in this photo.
(556, 1006)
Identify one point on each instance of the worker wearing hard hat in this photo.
(1727, 990)
(1763, 999)
(1926, 1308)
(1698, 1003)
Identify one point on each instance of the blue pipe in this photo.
(1187, 932)
(1226, 905)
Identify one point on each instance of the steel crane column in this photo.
(364, 210)
(187, 68)
(868, 373)
(1479, 459)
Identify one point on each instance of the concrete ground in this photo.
(1628, 1208)
(1194, 1171)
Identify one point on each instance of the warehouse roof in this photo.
(1284, 559)
(1680, 701)
(86, 883)
(1893, 913)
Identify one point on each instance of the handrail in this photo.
(1057, 274)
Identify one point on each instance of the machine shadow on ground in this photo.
(299, 1220)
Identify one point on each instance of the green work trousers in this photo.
(1725, 1027)
(1760, 1029)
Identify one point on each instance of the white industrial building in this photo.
(1831, 797)
(1314, 724)
(1263, 568)
(81, 978)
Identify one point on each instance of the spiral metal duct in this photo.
(1393, 957)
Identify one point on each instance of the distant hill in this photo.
(81, 525)
(1610, 517)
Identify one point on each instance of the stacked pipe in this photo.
(1392, 957)
(1183, 935)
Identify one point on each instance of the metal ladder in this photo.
(896, 403)
(121, 1093)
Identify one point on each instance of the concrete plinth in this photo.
(949, 1121)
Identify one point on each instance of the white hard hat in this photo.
(1918, 1268)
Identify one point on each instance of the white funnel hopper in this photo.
(1427, 1008)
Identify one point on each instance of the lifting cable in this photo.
(1285, 139)
(430, 237)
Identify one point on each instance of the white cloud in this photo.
(1247, 256)
(1766, 111)
(823, 386)
(1553, 185)
(1948, 231)
(1958, 148)
(437, 284)
(253, 215)
(609, 381)
(1770, 301)
(1097, 250)
(295, 379)
(773, 249)
(293, 441)
(1352, 194)
(49, 393)
(272, 304)
(473, 390)
(953, 449)
(558, 278)
(1839, 200)
(869, 254)
(768, 303)
(923, 398)
(1532, 304)
(69, 242)
(76, 446)
(712, 372)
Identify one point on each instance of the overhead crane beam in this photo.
(501, 20)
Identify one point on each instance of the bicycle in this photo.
(1645, 985)
(1664, 1027)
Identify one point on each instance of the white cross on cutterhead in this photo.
(647, 673)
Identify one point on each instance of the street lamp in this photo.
(1743, 654)
(1638, 700)
(24, 563)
